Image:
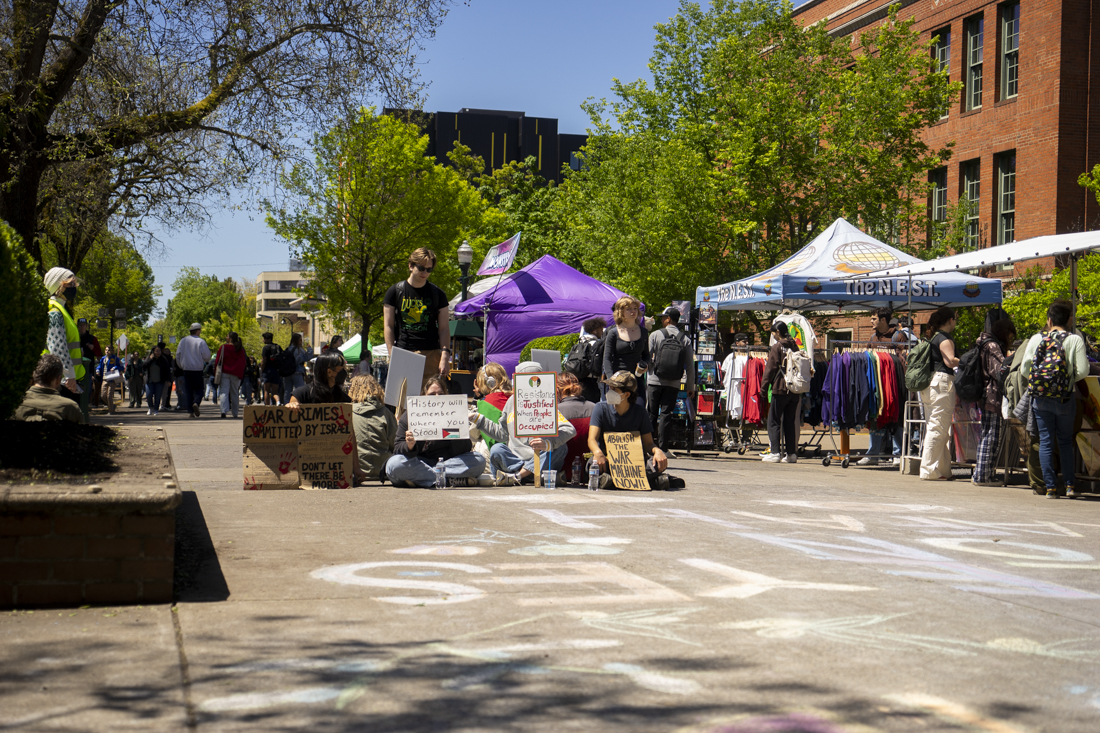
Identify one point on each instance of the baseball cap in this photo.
(670, 310)
(195, 327)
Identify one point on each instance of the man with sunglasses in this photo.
(416, 318)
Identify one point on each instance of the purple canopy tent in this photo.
(546, 298)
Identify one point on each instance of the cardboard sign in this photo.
(311, 447)
(625, 460)
(536, 404)
(548, 359)
(499, 258)
(405, 367)
(438, 417)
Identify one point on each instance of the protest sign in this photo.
(536, 403)
(548, 359)
(438, 417)
(625, 460)
(311, 447)
(499, 258)
(406, 367)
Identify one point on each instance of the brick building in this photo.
(1028, 120)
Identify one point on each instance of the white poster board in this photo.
(548, 359)
(404, 365)
(438, 417)
(536, 404)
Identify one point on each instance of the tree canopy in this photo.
(200, 298)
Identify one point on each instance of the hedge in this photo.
(564, 344)
(26, 315)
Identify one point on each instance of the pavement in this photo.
(763, 598)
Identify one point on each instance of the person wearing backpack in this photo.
(585, 360)
(671, 356)
(297, 355)
(783, 415)
(1054, 361)
(938, 399)
(993, 346)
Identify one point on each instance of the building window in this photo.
(975, 43)
(941, 52)
(1010, 50)
(970, 174)
(1006, 197)
(938, 179)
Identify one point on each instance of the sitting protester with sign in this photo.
(512, 457)
(330, 371)
(620, 414)
(414, 460)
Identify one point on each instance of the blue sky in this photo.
(544, 59)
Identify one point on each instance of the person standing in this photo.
(158, 370)
(269, 373)
(626, 346)
(1054, 361)
(134, 379)
(175, 378)
(666, 373)
(62, 335)
(301, 356)
(938, 399)
(93, 352)
(233, 360)
(248, 382)
(592, 332)
(108, 372)
(993, 345)
(783, 415)
(193, 354)
(416, 318)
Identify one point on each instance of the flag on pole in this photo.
(500, 258)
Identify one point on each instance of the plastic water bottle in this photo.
(578, 470)
(593, 476)
(440, 475)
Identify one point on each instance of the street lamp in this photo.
(465, 257)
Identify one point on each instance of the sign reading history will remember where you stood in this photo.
(312, 447)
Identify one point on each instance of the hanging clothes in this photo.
(752, 411)
(733, 374)
(814, 401)
(800, 329)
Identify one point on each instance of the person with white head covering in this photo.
(512, 458)
(63, 337)
(193, 353)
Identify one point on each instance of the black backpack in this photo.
(579, 361)
(671, 357)
(285, 363)
(970, 379)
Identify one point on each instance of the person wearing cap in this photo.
(63, 337)
(512, 459)
(620, 413)
(193, 353)
(661, 393)
(783, 415)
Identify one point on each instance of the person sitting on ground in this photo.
(571, 403)
(619, 413)
(414, 461)
(512, 459)
(43, 401)
(375, 426)
(492, 385)
(330, 372)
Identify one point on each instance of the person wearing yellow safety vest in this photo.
(63, 338)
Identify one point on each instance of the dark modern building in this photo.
(499, 137)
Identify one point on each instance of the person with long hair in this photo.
(783, 414)
(994, 346)
(301, 356)
(492, 385)
(375, 426)
(939, 399)
(626, 346)
(330, 372)
(571, 401)
(414, 461)
(233, 360)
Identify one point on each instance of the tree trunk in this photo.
(19, 205)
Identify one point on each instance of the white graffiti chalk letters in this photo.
(751, 584)
(447, 592)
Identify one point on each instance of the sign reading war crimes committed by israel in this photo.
(311, 447)
(625, 460)
(438, 417)
(536, 402)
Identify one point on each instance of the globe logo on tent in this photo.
(796, 262)
(864, 257)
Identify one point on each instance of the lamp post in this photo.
(465, 258)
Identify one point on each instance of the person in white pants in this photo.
(939, 399)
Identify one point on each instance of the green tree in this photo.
(519, 199)
(26, 320)
(200, 298)
(370, 199)
(116, 275)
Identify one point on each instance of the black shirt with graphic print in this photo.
(417, 315)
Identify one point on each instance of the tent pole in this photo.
(1073, 284)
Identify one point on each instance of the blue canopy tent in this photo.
(826, 275)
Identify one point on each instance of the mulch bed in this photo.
(43, 450)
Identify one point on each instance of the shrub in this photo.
(24, 303)
(564, 344)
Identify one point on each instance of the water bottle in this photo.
(593, 476)
(578, 470)
(440, 475)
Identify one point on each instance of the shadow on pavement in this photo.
(198, 574)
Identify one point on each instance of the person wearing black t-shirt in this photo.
(416, 318)
(330, 372)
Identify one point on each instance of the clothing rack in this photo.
(736, 427)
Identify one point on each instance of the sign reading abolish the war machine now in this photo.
(625, 460)
(438, 417)
(536, 403)
(311, 447)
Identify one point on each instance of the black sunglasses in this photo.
(423, 269)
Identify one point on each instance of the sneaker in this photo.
(770, 457)
(675, 482)
(1052, 493)
(867, 461)
(148, 412)
(507, 479)
(1071, 493)
(660, 482)
(195, 409)
(670, 455)
(223, 416)
(462, 482)
(790, 458)
(604, 482)
(155, 413)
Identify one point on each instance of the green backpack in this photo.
(918, 370)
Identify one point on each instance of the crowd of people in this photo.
(599, 391)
